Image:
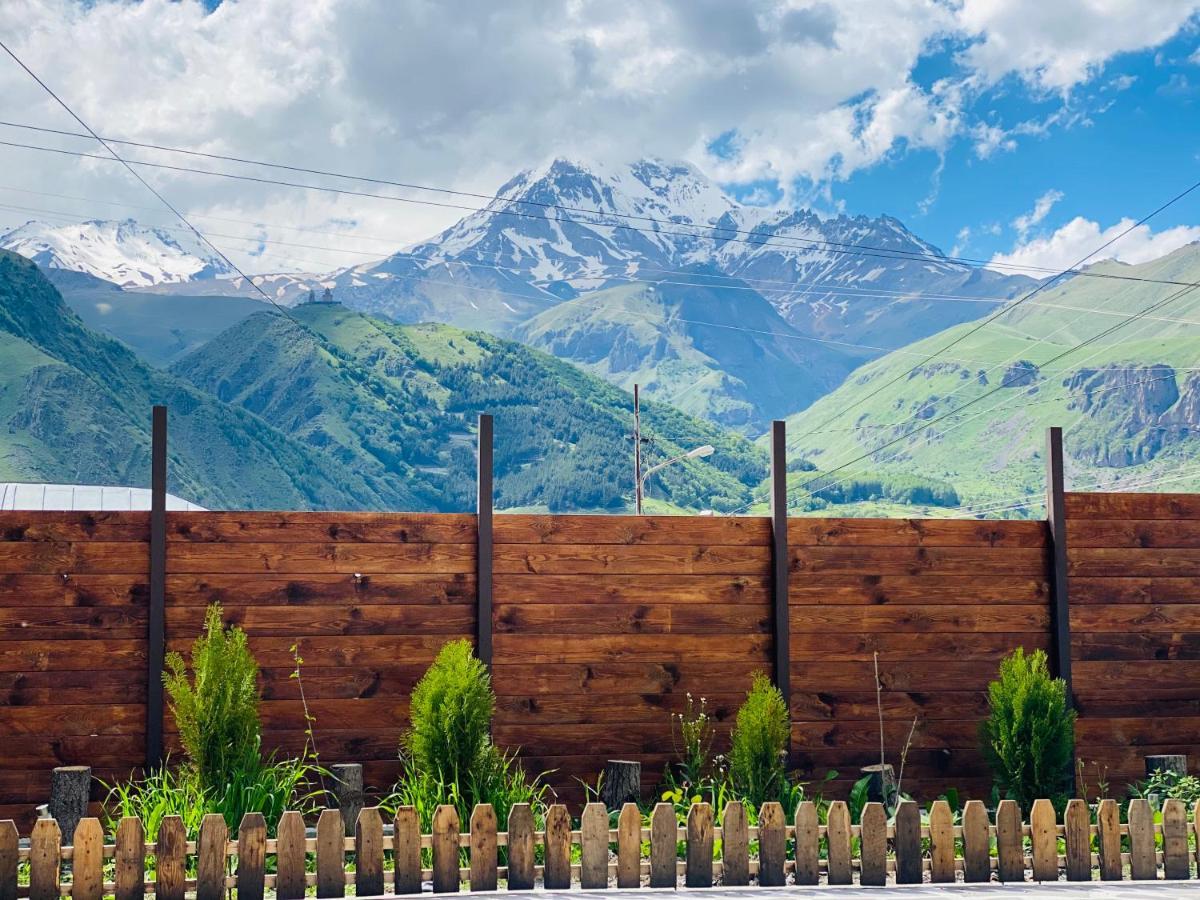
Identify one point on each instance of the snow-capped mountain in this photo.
(124, 253)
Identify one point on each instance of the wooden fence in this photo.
(872, 852)
(602, 625)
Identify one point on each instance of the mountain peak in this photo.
(123, 252)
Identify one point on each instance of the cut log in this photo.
(621, 783)
(1170, 762)
(882, 786)
(348, 791)
(69, 789)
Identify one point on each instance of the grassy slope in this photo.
(992, 452)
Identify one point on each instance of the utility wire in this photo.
(832, 247)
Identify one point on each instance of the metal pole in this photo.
(1056, 517)
(483, 556)
(637, 452)
(780, 564)
(156, 648)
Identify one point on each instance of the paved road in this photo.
(1143, 890)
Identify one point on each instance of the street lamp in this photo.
(697, 453)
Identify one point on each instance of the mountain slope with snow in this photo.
(124, 253)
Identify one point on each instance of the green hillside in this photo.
(399, 403)
(75, 407)
(721, 351)
(1129, 403)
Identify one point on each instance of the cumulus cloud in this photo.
(463, 94)
(1079, 237)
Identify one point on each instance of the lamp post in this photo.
(697, 453)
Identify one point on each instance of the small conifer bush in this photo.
(1028, 736)
(451, 714)
(757, 758)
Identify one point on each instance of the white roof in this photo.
(83, 497)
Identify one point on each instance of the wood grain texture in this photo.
(129, 860)
(941, 842)
(772, 844)
(1108, 839)
(807, 844)
(45, 843)
(87, 862)
(873, 846)
(291, 857)
(662, 846)
(838, 840)
(1009, 842)
(977, 856)
(557, 872)
(252, 857)
(735, 845)
(210, 857)
(753, 531)
(1143, 866)
(483, 848)
(1077, 822)
(1176, 862)
(331, 854)
(593, 847)
(1044, 840)
(368, 853)
(699, 846)
(9, 857)
(406, 849)
(170, 859)
(445, 850)
(909, 868)
(629, 847)
(1133, 506)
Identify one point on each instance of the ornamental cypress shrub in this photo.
(757, 762)
(1028, 737)
(451, 714)
(216, 710)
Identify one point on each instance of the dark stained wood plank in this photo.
(813, 646)
(568, 618)
(82, 720)
(48, 623)
(634, 559)
(100, 558)
(649, 709)
(70, 527)
(1142, 617)
(928, 561)
(665, 587)
(541, 529)
(310, 527)
(1168, 533)
(923, 619)
(593, 650)
(1144, 589)
(1134, 675)
(1126, 562)
(43, 656)
(316, 590)
(1155, 646)
(1133, 506)
(804, 532)
(939, 733)
(342, 650)
(898, 675)
(76, 590)
(1138, 731)
(861, 706)
(854, 590)
(252, 558)
(276, 621)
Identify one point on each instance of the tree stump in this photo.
(882, 786)
(348, 792)
(621, 783)
(70, 787)
(1170, 762)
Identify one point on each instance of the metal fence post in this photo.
(780, 564)
(1056, 517)
(483, 577)
(156, 639)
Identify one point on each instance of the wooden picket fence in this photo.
(906, 848)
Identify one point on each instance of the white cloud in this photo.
(1079, 237)
(463, 94)
(1023, 223)
(1056, 44)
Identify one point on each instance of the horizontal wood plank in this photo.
(320, 527)
(606, 648)
(1132, 562)
(302, 558)
(571, 619)
(69, 527)
(815, 645)
(304, 621)
(632, 589)
(924, 619)
(583, 529)
(1144, 589)
(1136, 617)
(1132, 506)
(929, 561)
(806, 532)
(631, 559)
(1163, 533)
(834, 590)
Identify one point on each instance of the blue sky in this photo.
(1115, 147)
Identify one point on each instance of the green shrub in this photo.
(216, 710)
(451, 714)
(1166, 784)
(757, 763)
(1028, 737)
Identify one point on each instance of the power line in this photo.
(833, 247)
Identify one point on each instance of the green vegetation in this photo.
(447, 754)
(1029, 735)
(216, 711)
(758, 753)
(400, 402)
